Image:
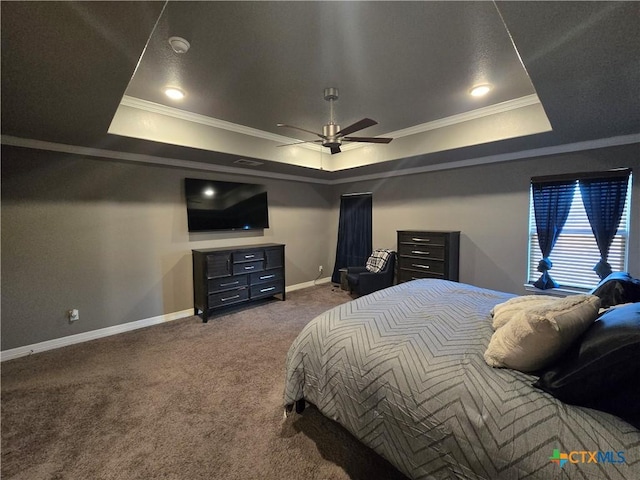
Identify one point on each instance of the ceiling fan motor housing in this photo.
(329, 133)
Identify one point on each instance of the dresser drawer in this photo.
(420, 238)
(266, 276)
(248, 267)
(228, 298)
(267, 289)
(228, 283)
(248, 256)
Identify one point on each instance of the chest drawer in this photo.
(428, 266)
(420, 252)
(413, 239)
(248, 267)
(407, 275)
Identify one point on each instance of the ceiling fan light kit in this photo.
(332, 136)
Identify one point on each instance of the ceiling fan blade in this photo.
(368, 139)
(335, 150)
(359, 125)
(298, 128)
(298, 143)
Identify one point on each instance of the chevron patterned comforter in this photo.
(403, 370)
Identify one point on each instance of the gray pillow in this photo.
(617, 288)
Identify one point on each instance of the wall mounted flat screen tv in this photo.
(215, 205)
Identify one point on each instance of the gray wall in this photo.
(110, 239)
(489, 204)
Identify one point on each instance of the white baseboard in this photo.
(300, 286)
(91, 335)
(116, 329)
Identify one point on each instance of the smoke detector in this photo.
(179, 44)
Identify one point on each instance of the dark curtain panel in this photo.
(354, 233)
(551, 204)
(603, 201)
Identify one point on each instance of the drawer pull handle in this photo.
(420, 252)
(249, 256)
(251, 267)
(264, 277)
(262, 290)
(230, 283)
(421, 239)
(230, 298)
(426, 267)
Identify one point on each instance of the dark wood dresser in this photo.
(428, 254)
(229, 276)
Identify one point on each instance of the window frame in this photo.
(622, 235)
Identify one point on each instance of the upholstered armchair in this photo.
(376, 275)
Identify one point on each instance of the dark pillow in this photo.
(602, 369)
(617, 288)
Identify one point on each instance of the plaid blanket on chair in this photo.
(378, 259)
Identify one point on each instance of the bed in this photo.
(403, 370)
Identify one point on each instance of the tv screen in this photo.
(214, 205)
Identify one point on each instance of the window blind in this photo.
(576, 251)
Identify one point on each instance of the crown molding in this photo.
(173, 112)
(174, 162)
(504, 157)
(467, 116)
(150, 159)
(158, 108)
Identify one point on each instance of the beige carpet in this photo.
(182, 400)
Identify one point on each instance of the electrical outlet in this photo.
(74, 315)
(320, 268)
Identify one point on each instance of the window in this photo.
(576, 251)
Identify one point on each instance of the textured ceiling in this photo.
(67, 65)
(400, 63)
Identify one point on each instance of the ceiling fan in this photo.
(332, 136)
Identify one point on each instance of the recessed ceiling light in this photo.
(174, 93)
(480, 90)
(179, 44)
(209, 192)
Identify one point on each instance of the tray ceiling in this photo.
(565, 75)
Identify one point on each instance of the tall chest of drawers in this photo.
(228, 276)
(428, 254)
